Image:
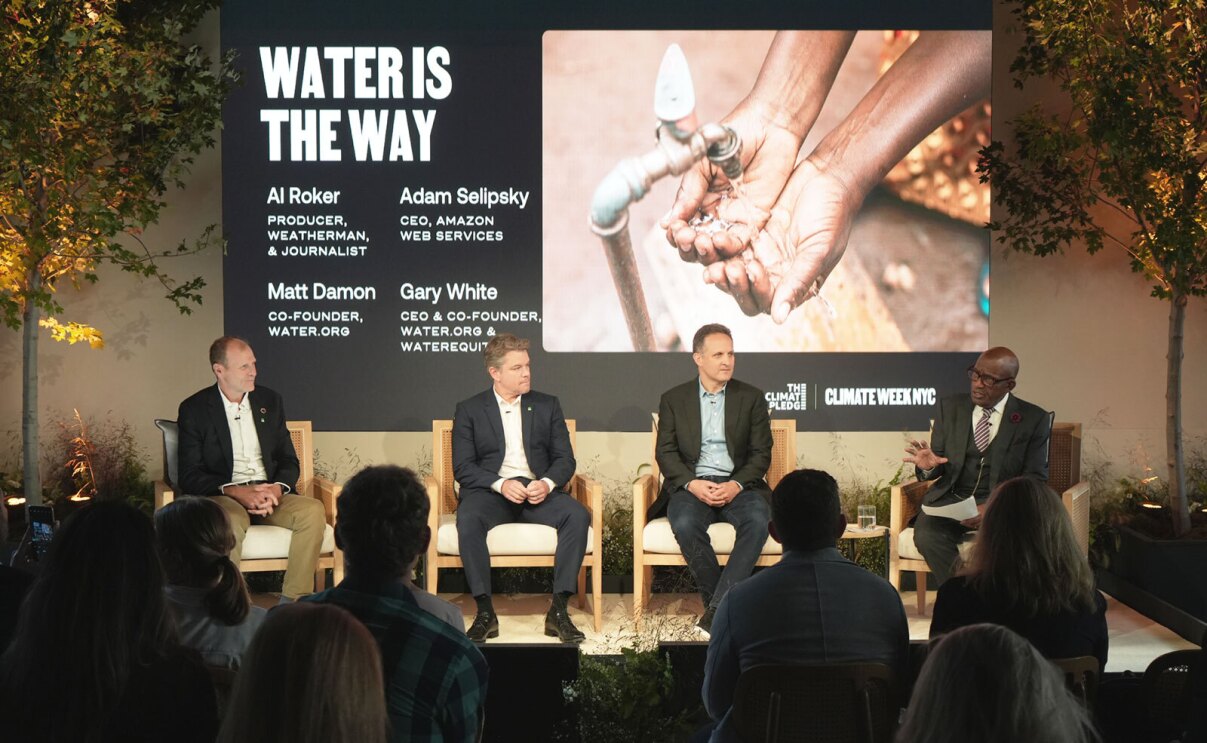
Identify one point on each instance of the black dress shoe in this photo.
(485, 626)
(558, 624)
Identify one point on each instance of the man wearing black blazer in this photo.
(714, 448)
(512, 459)
(979, 440)
(235, 448)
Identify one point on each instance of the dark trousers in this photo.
(938, 539)
(690, 518)
(481, 510)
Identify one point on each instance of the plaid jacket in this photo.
(435, 677)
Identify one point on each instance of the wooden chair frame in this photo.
(767, 695)
(1064, 471)
(302, 434)
(645, 491)
(444, 501)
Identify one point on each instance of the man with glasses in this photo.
(978, 440)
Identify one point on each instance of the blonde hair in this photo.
(1025, 557)
(983, 682)
(312, 675)
(500, 345)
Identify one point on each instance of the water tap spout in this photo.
(680, 144)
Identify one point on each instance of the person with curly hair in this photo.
(435, 676)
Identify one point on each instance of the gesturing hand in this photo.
(922, 456)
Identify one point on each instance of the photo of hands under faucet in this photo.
(813, 190)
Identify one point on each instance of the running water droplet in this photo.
(737, 184)
(815, 290)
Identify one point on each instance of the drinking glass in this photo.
(867, 517)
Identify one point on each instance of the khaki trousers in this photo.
(301, 515)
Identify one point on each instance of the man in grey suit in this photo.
(714, 448)
(979, 440)
(512, 458)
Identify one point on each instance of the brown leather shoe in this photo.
(485, 626)
(558, 624)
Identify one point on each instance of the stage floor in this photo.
(1135, 639)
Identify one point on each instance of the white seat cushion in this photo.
(506, 539)
(908, 550)
(659, 538)
(265, 542)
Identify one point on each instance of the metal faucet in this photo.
(679, 145)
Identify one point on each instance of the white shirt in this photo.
(515, 461)
(247, 459)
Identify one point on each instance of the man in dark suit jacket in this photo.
(235, 448)
(714, 448)
(512, 459)
(979, 440)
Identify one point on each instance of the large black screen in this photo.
(401, 181)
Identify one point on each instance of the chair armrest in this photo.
(1077, 502)
(436, 506)
(590, 493)
(905, 501)
(328, 494)
(164, 494)
(436, 503)
(645, 490)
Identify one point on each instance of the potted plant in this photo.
(1138, 558)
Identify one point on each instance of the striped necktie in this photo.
(980, 436)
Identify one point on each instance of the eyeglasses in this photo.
(985, 379)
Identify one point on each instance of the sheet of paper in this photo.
(960, 510)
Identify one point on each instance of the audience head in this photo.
(382, 525)
(805, 511)
(95, 612)
(312, 673)
(1026, 555)
(985, 683)
(195, 540)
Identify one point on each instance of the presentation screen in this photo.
(401, 182)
